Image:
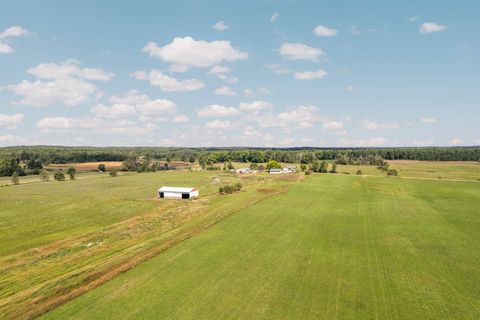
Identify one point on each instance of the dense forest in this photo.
(30, 159)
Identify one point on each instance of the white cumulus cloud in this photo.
(300, 51)
(219, 124)
(190, 52)
(255, 106)
(66, 82)
(428, 120)
(224, 91)
(372, 125)
(333, 125)
(429, 27)
(216, 110)
(166, 83)
(11, 32)
(11, 121)
(220, 26)
(323, 31)
(310, 75)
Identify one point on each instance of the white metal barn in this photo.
(177, 193)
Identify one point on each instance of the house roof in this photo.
(176, 189)
(275, 170)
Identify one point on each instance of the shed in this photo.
(177, 193)
(276, 171)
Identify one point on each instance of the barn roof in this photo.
(176, 189)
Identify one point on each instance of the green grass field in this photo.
(61, 239)
(333, 247)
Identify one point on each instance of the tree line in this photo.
(31, 159)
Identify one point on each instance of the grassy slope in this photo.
(334, 247)
(94, 245)
(32, 215)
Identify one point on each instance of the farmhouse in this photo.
(177, 193)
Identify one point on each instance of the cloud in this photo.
(274, 16)
(225, 91)
(323, 31)
(278, 69)
(287, 141)
(69, 69)
(429, 27)
(300, 117)
(167, 83)
(179, 68)
(93, 126)
(55, 124)
(299, 51)
(220, 26)
(66, 82)
(11, 121)
(115, 111)
(219, 69)
(180, 118)
(354, 30)
(255, 106)
(369, 142)
(333, 125)
(216, 110)
(5, 48)
(11, 140)
(372, 125)
(14, 31)
(428, 120)
(11, 32)
(310, 75)
(136, 104)
(456, 141)
(350, 88)
(190, 52)
(219, 124)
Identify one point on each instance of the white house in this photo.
(177, 193)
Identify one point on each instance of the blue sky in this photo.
(240, 73)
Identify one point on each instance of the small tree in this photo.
(44, 176)
(308, 172)
(334, 168)
(392, 172)
(359, 172)
(323, 167)
(71, 173)
(191, 159)
(113, 173)
(59, 176)
(15, 179)
(272, 164)
(303, 167)
(230, 166)
(102, 167)
(253, 166)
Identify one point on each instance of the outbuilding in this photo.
(177, 193)
(275, 171)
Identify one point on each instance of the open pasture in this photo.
(60, 239)
(333, 247)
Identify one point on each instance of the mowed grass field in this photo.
(332, 247)
(61, 239)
